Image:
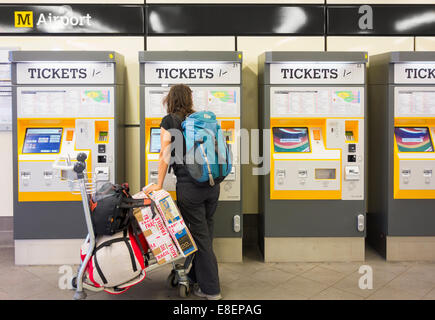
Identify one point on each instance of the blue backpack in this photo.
(208, 156)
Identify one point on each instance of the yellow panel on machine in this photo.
(304, 164)
(414, 158)
(39, 144)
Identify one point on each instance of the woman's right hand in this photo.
(151, 188)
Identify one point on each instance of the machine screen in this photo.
(42, 140)
(155, 140)
(291, 140)
(413, 139)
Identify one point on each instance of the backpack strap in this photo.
(130, 203)
(177, 121)
(130, 250)
(139, 203)
(210, 175)
(136, 230)
(100, 273)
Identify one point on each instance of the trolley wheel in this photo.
(179, 266)
(183, 290)
(172, 281)
(80, 295)
(74, 282)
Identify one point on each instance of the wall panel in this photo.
(132, 158)
(191, 43)
(76, 1)
(425, 44)
(373, 45)
(380, 2)
(236, 1)
(6, 200)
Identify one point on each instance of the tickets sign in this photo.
(317, 73)
(66, 73)
(192, 73)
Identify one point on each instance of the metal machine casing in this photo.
(315, 193)
(77, 97)
(402, 158)
(215, 79)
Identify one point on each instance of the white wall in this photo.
(236, 1)
(75, 1)
(380, 2)
(6, 207)
(373, 45)
(425, 44)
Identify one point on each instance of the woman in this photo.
(197, 204)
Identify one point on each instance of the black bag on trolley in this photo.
(111, 209)
(121, 254)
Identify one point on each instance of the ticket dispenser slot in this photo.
(26, 176)
(427, 174)
(232, 175)
(406, 175)
(102, 173)
(302, 175)
(352, 173)
(280, 176)
(48, 177)
(154, 176)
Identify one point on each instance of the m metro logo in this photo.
(23, 19)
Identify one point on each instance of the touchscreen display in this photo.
(413, 139)
(291, 140)
(42, 140)
(155, 140)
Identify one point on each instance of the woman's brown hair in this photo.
(179, 100)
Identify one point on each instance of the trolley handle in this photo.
(81, 157)
(80, 165)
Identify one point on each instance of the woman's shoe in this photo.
(197, 292)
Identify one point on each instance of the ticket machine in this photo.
(215, 80)
(64, 103)
(402, 155)
(313, 121)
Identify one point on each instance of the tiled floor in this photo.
(249, 280)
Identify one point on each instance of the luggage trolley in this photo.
(84, 184)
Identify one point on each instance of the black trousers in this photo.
(197, 206)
